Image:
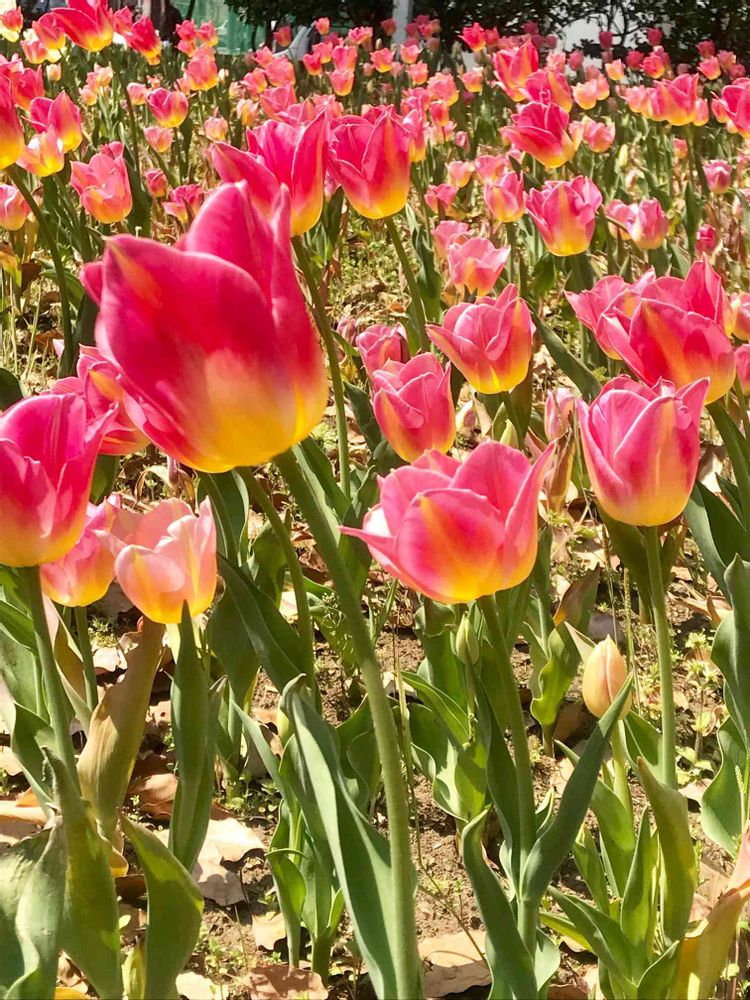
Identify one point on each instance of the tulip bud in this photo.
(604, 674)
(467, 644)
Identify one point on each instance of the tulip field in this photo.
(374, 514)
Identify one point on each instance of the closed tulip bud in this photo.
(642, 447)
(215, 128)
(740, 306)
(475, 264)
(604, 674)
(103, 187)
(706, 239)
(565, 214)
(156, 183)
(48, 448)
(14, 211)
(208, 393)
(467, 643)
(459, 173)
(558, 412)
(83, 574)
(457, 531)
(342, 81)
(505, 197)
(169, 560)
(53, 72)
(489, 341)
(414, 407)
(598, 136)
(137, 92)
(371, 161)
(647, 224)
(541, 130)
(380, 344)
(742, 362)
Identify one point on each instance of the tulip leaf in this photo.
(721, 805)
(452, 714)
(29, 735)
(276, 644)
(550, 684)
(32, 888)
(577, 372)
(602, 932)
(228, 641)
(731, 647)
(552, 847)
(319, 473)
(116, 730)
(363, 412)
(230, 502)
(642, 740)
(508, 958)
(18, 670)
(359, 854)
(175, 906)
(90, 931)
(628, 543)
(657, 982)
(717, 532)
(589, 864)
(670, 811)
(18, 625)
(10, 389)
(638, 910)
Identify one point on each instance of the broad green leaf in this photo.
(116, 730)
(731, 647)
(229, 499)
(227, 640)
(550, 684)
(721, 805)
(451, 713)
(10, 389)
(680, 872)
(175, 906)
(717, 532)
(508, 958)
(603, 933)
(359, 854)
(638, 911)
(642, 740)
(589, 864)
(32, 888)
(656, 982)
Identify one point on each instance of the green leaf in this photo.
(452, 714)
(628, 543)
(227, 640)
(721, 805)
(29, 735)
(642, 740)
(657, 981)
(717, 532)
(231, 503)
(359, 854)
(10, 389)
(116, 730)
(507, 956)
(550, 684)
(731, 647)
(589, 864)
(638, 910)
(32, 888)
(567, 362)
(363, 412)
(680, 872)
(175, 906)
(90, 931)
(553, 846)
(602, 932)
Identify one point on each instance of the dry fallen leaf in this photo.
(268, 930)
(195, 987)
(231, 839)
(155, 794)
(9, 762)
(282, 982)
(455, 965)
(108, 659)
(218, 883)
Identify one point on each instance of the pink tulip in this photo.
(476, 264)
(414, 407)
(505, 197)
(214, 390)
(48, 448)
(83, 574)
(642, 447)
(647, 224)
(159, 139)
(156, 182)
(280, 153)
(14, 210)
(445, 233)
(541, 130)
(674, 101)
(44, 155)
(489, 340)
(379, 344)
(513, 68)
(565, 214)
(548, 86)
(371, 162)
(103, 186)
(455, 532)
(740, 306)
(598, 136)
(168, 560)
(706, 239)
(60, 115)
(169, 107)
(718, 175)
(558, 412)
(742, 363)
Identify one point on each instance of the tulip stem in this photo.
(329, 343)
(57, 701)
(68, 359)
(406, 960)
(133, 125)
(411, 281)
(87, 657)
(508, 691)
(304, 618)
(664, 654)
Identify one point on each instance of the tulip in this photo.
(212, 391)
(87, 23)
(413, 406)
(740, 306)
(718, 175)
(156, 183)
(547, 86)
(48, 449)
(674, 101)
(655, 65)
(459, 173)
(342, 81)
(14, 210)
(604, 674)
(215, 128)
(558, 412)
(647, 224)
(184, 202)
(103, 187)
(444, 234)
(475, 37)
(473, 80)
(323, 25)
(598, 136)
(371, 162)
(742, 364)
(49, 31)
(541, 131)
(489, 341)
(565, 214)
(44, 155)
(168, 561)
(11, 131)
(143, 38)
(642, 447)
(280, 153)
(706, 239)
(489, 168)
(475, 264)
(458, 531)
(380, 344)
(505, 197)
(159, 139)
(83, 574)
(169, 107)
(11, 24)
(587, 95)
(61, 115)
(704, 293)
(513, 68)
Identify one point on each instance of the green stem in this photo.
(133, 125)
(620, 769)
(57, 701)
(87, 657)
(664, 652)
(732, 439)
(304, 618)
(68, 359)
(406, 959)
(411, 281)
(508, 689)
(329, 343)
